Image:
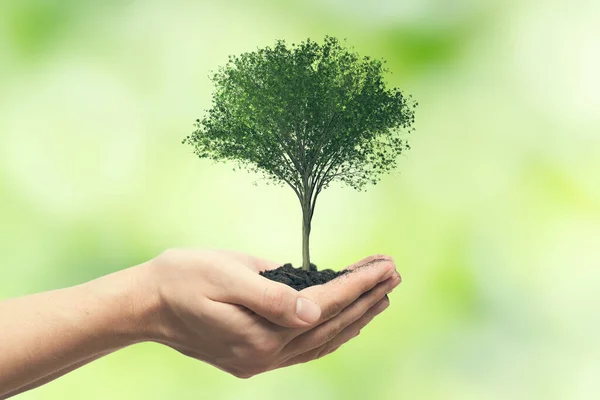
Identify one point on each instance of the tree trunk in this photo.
(306, 217)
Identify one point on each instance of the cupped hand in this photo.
(215, 307)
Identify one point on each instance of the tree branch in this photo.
(319, 145)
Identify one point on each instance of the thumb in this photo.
(274, 301)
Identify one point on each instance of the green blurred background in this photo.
(493, 217)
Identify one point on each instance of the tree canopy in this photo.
(306, 115)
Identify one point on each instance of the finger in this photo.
(336, 295)
(327, 331)
(274, 301)
(346, 335)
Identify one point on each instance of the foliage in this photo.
(306, 115)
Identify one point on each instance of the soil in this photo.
(299, 279)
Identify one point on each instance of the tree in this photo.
(305, 115)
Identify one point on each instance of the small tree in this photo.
(305, 115)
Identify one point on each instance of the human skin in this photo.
(210, 305)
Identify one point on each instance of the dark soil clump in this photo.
(299, 279)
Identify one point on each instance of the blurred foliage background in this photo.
(493, 217)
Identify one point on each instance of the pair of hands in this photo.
(215, 307)
(210, 305)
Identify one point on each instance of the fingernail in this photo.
(390, 273)
(383, 305)
(307, 311)
(394, 284)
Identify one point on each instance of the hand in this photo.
(216, 308)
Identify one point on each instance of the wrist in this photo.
(130, 305)
(146, 306)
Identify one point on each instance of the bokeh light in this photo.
(493, 217)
